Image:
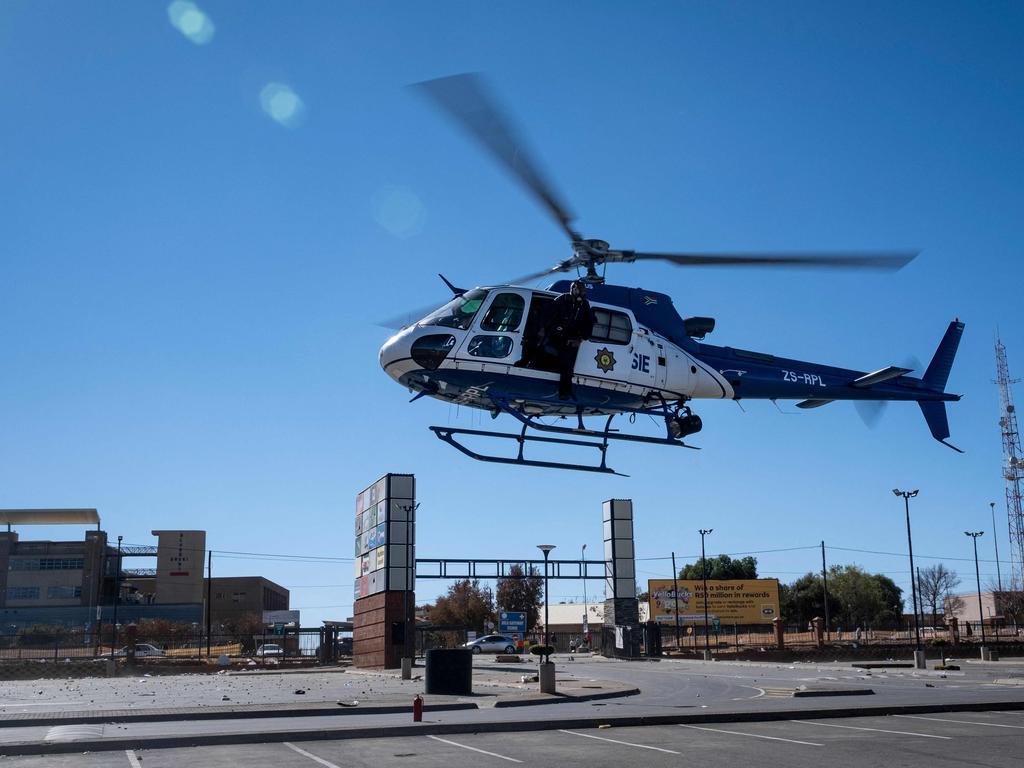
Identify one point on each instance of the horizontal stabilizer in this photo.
(813, 403)
(877, 377)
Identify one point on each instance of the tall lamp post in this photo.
(546, 549)
(117, 594)
(583, 565)
(977, 576)
(704, 572)
(918, 654)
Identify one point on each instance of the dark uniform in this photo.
(570, 323)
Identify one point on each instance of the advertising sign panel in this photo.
(730, 601)
(384, 546)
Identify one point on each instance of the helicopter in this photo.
(484, 348)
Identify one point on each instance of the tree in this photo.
(467, 604)
(855, 598)
(721, 567)
(864, 599)
(804, 599)
(520, 594)
(936, 585)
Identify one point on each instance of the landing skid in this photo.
(599, 443)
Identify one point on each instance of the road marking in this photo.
(474, 749)
(616, 741)
(310, 755)
(962, 722)
(759, 694)
(752, 735)
(133, 761)
(878, 730)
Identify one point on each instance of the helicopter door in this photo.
(609, 351)
(501, 325)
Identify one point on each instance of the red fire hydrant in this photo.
(417, 709)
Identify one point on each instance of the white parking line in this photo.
(624, 743)
(310, 755)
(877, 730)
(474, 749)
(752, 735)
(961, 722)
(133, 761)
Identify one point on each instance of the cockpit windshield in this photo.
(459, 312)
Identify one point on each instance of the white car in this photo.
(269, 650)
(491, 644)
(142, 650)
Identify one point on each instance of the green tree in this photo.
(721, 567)
(522, 594)
(864, 599)
(467, 604)
(804, 600)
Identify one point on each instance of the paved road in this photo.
(990, 739)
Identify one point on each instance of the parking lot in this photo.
(990, 738)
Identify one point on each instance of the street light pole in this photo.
(907, 496)
(704, 573)
(583, 565)
(675, 598)
(546, 549)
(117, 594)
(977, 576)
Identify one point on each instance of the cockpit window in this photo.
(459, 312)
(504, 314)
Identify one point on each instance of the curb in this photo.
(224, 713)
(566, 699)
(519, 726)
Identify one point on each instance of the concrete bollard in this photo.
(547, 677)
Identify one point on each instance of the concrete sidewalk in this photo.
(365, 692)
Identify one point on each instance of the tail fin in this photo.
(935, 415)
(935, 378)
(938, 369)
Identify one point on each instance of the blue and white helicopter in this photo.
(641, 357)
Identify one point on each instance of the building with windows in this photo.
(81, 584)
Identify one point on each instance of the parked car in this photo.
(142, 650)
(269, 650)
(491, 644)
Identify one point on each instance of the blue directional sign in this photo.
(512, 622)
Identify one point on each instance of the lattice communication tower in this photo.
(1013, 464)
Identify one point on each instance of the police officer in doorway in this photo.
(571, 322)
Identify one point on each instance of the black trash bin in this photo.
(449, 671)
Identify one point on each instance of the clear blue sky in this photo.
(188, 285)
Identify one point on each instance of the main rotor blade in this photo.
(883, 260)
(565, 266)
(411, 316)
(465, 98)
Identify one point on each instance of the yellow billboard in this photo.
(730, 601)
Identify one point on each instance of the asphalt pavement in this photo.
(229, 714)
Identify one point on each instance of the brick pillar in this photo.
(819, 632)
(780, 633)
(954, 628)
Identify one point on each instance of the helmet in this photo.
(578, 289)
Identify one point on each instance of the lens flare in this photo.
(282, 104)
(399, 210)
(188, 19)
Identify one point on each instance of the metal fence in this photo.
(57, 644)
